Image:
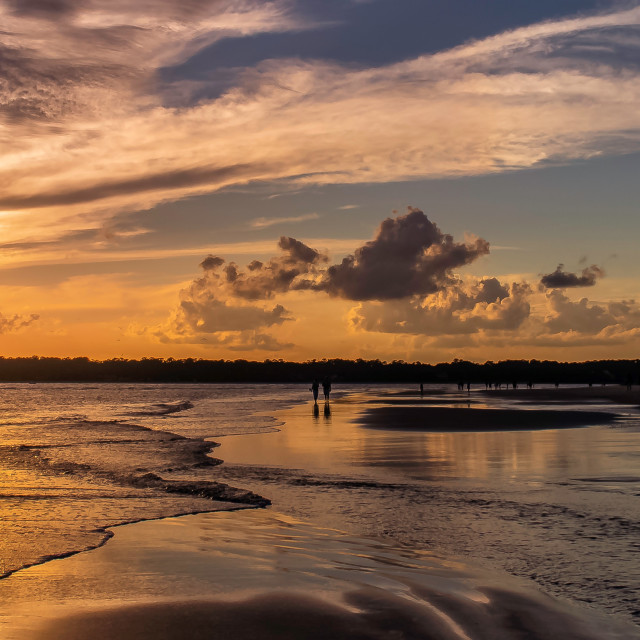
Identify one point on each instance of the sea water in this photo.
(557, 507)
(560, 507)
(76, 458)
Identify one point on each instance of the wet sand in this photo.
(290, 616)
(445, 419)
(257, 574)
(612, 393)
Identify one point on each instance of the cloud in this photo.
(234, 341)
(214, 310)
(203, 317)
(407, 287)
(409, 256)
(457, 309)
(262, 223)
(166, 182)
(584, 316)
(16, 322)
(488, 314)
(89, 125)
(263, 280)
(561, 279)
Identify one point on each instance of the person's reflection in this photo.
(316, 412)
(327, 411)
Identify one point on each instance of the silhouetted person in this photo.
(315, 385)
(468, 387)
(421, 389)
(326, 388)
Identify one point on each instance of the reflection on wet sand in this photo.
(256, 574)
(555, 506)
(339, 442)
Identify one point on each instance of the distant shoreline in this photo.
(190, 370)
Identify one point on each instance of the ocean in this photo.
(557, 509)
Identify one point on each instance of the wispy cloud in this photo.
(88, 131)
(261, 223)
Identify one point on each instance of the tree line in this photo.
(47, 369)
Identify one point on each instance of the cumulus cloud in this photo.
(460, 308)
(214, 308)
(486, 313)
(263, 280)
(586, 317)
(409, 256)
(91, 123)
(406, 283)
(561, 279)
(16, 322)
(246, 340)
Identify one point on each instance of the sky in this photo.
(304, 179)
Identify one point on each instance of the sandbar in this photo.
(611, 393)
(444, 419)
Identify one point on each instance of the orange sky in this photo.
(138, 139)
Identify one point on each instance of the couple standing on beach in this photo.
(326, 389)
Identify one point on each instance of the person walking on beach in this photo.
(315, 385)
(326, 387)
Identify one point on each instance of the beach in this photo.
(371, 531)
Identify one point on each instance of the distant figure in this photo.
(468, 387)
(629, 382)
(529, 385)
(326, 387)
(315, 385)
(514, 385)
(421, 389)
(557, 385)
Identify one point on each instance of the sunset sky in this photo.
(394, 179)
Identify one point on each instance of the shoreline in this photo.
(142, 491)
(253, 608)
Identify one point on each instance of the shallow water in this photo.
(558, 508)
(76, 458)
